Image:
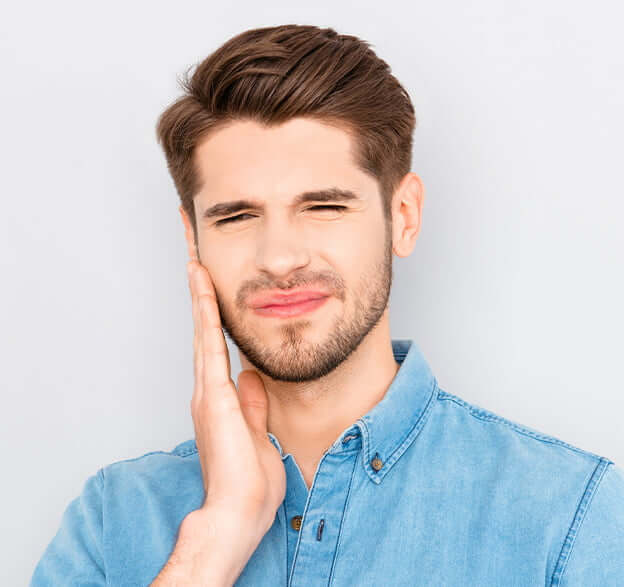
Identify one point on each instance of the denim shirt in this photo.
(424, 489)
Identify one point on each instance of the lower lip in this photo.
(289, 310)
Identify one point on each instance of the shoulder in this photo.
(120, 501)
(504, 434)
(575, 490)
(163, 464)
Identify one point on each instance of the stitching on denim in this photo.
(147, 454)
(366, 450)
(342, 521)
(486, 415)
(579, 517)
(411, 435)
(100, 474)
(185, 453)
(181, 453)
(402, 447)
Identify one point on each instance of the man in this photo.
(336, 459)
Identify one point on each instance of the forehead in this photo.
(246, 158)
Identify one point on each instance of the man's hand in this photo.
(243, 474)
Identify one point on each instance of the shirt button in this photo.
(295, 522)
(376, 463)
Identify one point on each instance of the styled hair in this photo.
(273, 74)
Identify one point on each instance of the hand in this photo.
(243, 474)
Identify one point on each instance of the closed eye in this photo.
(240, 216)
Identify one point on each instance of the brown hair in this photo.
(273, 74)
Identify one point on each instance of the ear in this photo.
(189, 235)
(407, 205)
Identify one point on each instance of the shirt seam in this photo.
(185, 453)
(133, 459)
(182, 454)
(342, 522)
(99, 540)
(486, 415)
(586, 500)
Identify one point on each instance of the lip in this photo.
(281, 299)
(291, 310)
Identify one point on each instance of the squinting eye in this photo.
(232, 219)
(329, 207)
(240, 216)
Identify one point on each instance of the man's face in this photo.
(281, 244)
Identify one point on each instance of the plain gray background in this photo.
(514, 291)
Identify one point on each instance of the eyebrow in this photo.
(326, 195)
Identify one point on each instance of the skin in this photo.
(324, 369)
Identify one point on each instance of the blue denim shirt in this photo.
(425, 489)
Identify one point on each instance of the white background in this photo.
(514, 291)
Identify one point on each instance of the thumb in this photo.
(254, 401)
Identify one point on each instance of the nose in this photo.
(281, 249)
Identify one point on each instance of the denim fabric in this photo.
(425, 489)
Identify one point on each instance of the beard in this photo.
(298, 360)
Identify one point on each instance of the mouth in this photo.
(295, 308)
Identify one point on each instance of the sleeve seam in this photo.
(579, 517)
(98, 540)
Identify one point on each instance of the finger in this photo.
(254, 401)
(197, 347)
(190, 238)
(194, 304)
(215, 351)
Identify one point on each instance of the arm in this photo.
(209, 551)
(74, 556)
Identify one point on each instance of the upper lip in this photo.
(277, 298)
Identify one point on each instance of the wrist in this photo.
(211, 549)
(201, 551)
(198, 557)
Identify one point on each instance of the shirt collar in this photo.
(386, 431)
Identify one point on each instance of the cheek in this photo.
(355, 256)
(222, 256)
(354, 245)
(222, 272)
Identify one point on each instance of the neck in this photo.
(308, 417)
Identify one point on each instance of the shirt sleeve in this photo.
(597, 554)
(74, 556)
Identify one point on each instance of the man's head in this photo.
(314, 133)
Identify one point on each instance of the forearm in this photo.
(209, 551)
(188, 571)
